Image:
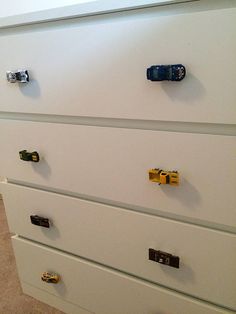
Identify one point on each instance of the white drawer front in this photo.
(121, 239)
(97, 67)
(112, 164)
(98, 289)
(52, 300)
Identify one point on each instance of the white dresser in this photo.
(118, 170)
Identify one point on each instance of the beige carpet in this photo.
(12, 300)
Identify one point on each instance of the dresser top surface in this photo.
(84, 8)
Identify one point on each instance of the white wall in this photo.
(23, 6)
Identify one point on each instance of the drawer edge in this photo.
(52, 300)
(80, 10)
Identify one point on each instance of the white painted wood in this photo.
(112, 165)
(99, 289)
(97, 67)
(169, 126)
(85, 8)
(120, 238)
(52, 300)
(29, 6)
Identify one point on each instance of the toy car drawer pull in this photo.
(19, 76)
(164, 258)
(170, 72)
(50, 277)
(40, 221)
(164, 177)
(27, 156)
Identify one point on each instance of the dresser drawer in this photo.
(103, 73)
(121, 239)
(99, 289)
(111, 165)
